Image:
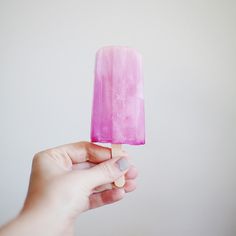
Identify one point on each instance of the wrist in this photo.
(46, 221)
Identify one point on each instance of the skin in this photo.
(66, 181)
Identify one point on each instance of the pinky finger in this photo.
(130, 185)
(105, 197)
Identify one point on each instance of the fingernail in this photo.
(123, 164)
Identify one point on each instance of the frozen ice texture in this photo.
(118, 102)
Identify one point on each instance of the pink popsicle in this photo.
(118, 102)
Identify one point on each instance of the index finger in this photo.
(86, 151)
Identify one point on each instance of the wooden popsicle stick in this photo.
(116, 151)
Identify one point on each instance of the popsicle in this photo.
(118, 101)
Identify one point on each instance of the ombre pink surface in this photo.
(118, 102)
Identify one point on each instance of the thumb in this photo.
(105, 172)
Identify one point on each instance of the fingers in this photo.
(97, 154)
(103, 188)
(85, 151)
(103, 173)
(130, 184)
(112, 195)
(83, 166)
(106, 197)
(132, 173)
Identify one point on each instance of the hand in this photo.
(70, 179)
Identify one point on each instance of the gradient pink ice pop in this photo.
(118, 102)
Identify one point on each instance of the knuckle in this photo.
(40, 157)
(84, 144)
(37, 157)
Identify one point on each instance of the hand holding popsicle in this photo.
(65, 181)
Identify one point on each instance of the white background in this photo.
(187, 180)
